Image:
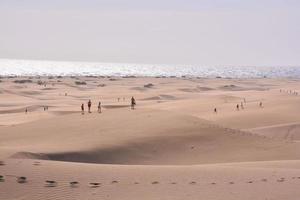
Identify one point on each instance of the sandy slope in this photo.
(171, 147)
(259, 180)
(290, 131)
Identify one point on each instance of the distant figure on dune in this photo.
(82, 108)
(26, 111)
(99, 107)
(89, 105)
(237, 107)
(133, 103)
(215, 110)
(260, 104)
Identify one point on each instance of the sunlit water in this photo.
(10, 67)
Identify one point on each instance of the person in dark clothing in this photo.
(133, 103)
(82, 108)
(99, 107)
(89, 105)
(215, 110)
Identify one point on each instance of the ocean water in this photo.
(9, 67)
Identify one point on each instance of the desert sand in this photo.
(172, 146)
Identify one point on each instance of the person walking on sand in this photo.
(89, 105)
(260, 104)
(215, 110)
(26, 111)
(237, 107)
(99, 107)
(82, 109)
(133, 103)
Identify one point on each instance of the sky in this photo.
(194, 32)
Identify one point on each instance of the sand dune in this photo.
(160, 97)
(163, 138)
(281, 131)
(269, 180)
(22, 110)
(178, 149)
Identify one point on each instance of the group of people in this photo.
(89, 104)
(240, 106)
(89, 107)
(289, 92)
(46, 108)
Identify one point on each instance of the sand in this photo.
(172, 146)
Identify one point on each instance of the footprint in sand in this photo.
(264, 180)
(74, 184)
(136, 183)
(114, 182)
(193, 183)
(155, 182)
(2, 178)
(95, 185)
(50, 183)
(36, 163)
(2, 163)
(22, 179)
(173, 183)
(280, 180)
(250, 182)
(231, 183)
(213, 183)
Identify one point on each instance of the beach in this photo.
(187, 138)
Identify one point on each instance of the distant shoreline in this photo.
(57, 68)
(136, 77)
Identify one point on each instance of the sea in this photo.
(11, 67)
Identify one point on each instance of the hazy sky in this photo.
(202, 32)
